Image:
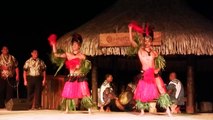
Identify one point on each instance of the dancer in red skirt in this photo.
(150, 86)
(76, 86)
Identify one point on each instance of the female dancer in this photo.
(76, 87)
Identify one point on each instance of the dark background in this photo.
(25, 26)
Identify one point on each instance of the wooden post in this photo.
(190, 87)
(94, 83)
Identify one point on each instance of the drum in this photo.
(125, 97)
(125, 102)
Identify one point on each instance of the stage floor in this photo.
(96, 115)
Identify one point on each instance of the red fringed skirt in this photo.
(146, 89)
(76, 87)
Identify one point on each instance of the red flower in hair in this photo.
(52, 39)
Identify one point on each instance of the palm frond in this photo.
(87, 102)
(58, 61)
(85, 66)
(160, 62)
(140, 105)
(132, 51)
(164, 101)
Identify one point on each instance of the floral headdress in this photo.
(146, 30)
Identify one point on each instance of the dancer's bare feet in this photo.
(101, 109)
(142, 112)
(108, 109)
(89, 111)
(168, 112)
(66, 107)
(66, 111)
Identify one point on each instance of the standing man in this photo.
(176, 91)
(34, 78)
(9, 75)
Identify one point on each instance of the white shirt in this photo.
(104, 85)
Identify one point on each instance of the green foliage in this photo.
(160, 62)
(132, 51)
(140, 105)
(85, 66)
(87, 102)
(70, 103)
(137, 39)
(164, 101)
(57, 60)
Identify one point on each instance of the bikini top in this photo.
(73, 63)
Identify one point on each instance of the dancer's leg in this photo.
(142, 111)
(89, 111)
(67, 106)
(160, 85)
(168, 112)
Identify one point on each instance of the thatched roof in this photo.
(184, 31)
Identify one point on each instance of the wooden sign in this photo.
(122, 39)
(114, 39)
(157, 39)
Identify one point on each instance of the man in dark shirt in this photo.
(9, 76)
(176, 92)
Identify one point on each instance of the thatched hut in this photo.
(184, 32)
